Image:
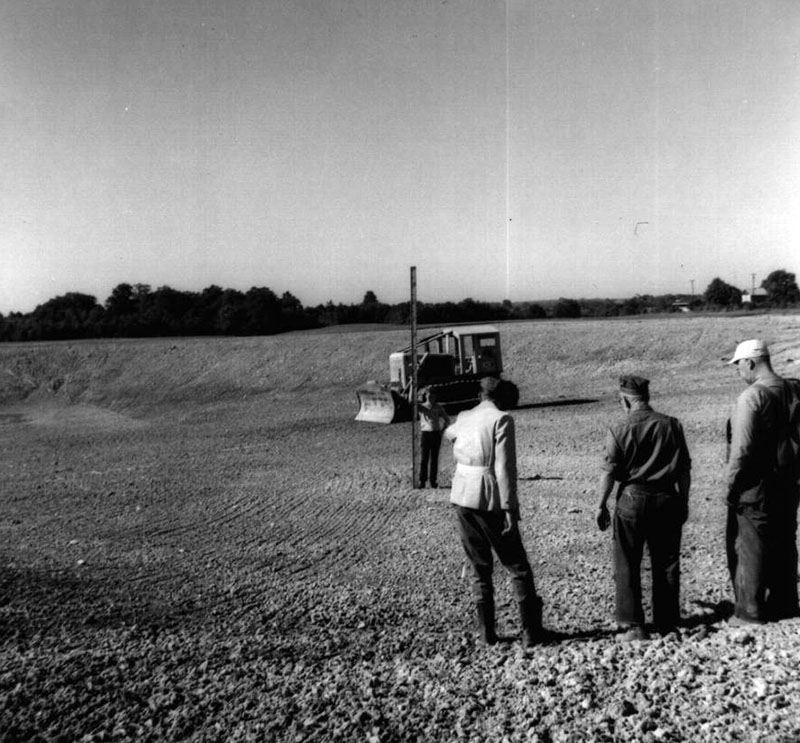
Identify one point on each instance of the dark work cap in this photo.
(489, 384)
(634, 386)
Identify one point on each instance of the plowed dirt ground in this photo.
(198, 542)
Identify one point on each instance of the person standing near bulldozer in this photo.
(432, 421)
(484, 495)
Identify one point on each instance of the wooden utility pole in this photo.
(414, 401)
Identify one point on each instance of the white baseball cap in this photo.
(751, 349)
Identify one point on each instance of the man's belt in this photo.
(652, 488)
(472, 469)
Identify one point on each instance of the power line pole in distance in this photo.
(414, 401)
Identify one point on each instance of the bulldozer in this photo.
(450, 363)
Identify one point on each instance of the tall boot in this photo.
(486, 621)
(530, 612)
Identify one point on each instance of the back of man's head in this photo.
(490, 387)
(755, 349)
(634, 387)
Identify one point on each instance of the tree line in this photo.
(136, 311)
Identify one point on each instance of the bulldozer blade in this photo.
(376, 404)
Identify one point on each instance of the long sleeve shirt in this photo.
(759, 457)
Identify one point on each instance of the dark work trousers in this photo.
(762, 561)
(654, 519)
(430, 443)
(480, 534)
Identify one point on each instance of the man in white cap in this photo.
(484, 495)
(763, 489)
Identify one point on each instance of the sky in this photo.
(506, 149)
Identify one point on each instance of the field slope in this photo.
(199, 543)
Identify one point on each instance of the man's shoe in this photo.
(530, 612)
(637, 633)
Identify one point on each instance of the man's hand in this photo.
(511, 523)
(603, 518)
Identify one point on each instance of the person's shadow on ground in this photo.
(699, 624)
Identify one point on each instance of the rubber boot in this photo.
(486, 622)
(530, 612)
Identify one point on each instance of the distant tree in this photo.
(262, 310)
(290, 304)
(167, 310)
(664, 302)
(524, 311)
(295, 317)
(142, 293)
(200, 317)
(567, 308)
(371, 310)
(632, 306)
(73, 315)
(534, 312)
(599, 308)
(121, 301)
(230, 313)
(400, 314)
(326, 314)
(122, 317)
(720, 294)
(781, 288)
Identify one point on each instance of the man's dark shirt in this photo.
(648, 448)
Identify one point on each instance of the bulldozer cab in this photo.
(478, 350)
(472, 350)
(431, 368)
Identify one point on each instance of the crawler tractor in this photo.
(450, 363)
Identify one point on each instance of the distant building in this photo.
(754, 297)
(681, 306)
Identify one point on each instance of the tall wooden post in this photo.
(414, 400)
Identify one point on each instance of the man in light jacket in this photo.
(484, 495)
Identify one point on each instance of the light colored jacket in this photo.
(486, 459)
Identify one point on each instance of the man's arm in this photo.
(743, 465)
(505, 464)
(684, 483)
(605, 489)
(608, 479)
(684, 480)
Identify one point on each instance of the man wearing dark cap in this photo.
(484, 495)
(647, 455)
(763, 489)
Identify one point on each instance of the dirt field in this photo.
(198, 542)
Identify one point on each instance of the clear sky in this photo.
(521, 150)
